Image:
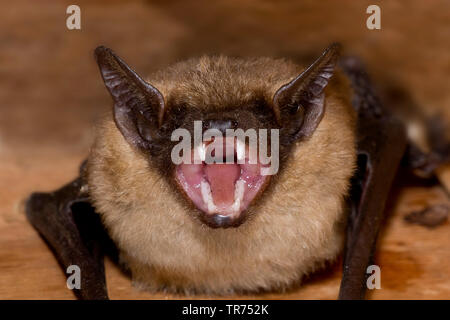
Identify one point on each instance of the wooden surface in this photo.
(50, 93)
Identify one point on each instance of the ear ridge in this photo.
(131, 94)
(306, 90)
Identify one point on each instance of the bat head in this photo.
(218, 130)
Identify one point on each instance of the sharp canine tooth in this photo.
(200, 151)
(240, 146)
(239, 191)
(207, 196)
(203, 154)
(238, 195)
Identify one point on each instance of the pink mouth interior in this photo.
(222, 179)
(222, 188)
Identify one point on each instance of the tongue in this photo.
(222, 179)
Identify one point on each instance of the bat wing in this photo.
(381, 145)
(72, 229)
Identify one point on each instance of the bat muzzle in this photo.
(223, 182)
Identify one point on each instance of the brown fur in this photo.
(297, 224)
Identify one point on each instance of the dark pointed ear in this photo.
(299, 104)
(138, 106)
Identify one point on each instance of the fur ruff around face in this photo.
(294, 227)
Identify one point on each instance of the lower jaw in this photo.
(231, 210)
(222, 221)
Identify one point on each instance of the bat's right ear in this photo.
(138, 106)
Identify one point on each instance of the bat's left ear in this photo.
(299, 104)
(138, 106)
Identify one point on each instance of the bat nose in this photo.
(221, 125)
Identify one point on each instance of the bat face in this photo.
(173, 172)
(217, 176)
(200, 151)
(225, 158)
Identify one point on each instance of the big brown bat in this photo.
(224, 228)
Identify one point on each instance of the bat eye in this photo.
(234, 124)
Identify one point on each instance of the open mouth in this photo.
(222, 190)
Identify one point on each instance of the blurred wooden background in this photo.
(51, 93)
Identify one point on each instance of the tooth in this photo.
(236, 206)
(240, 146)
(240, 188)
(203, 150)
(238, 195)
(207, 196)
(200, 151)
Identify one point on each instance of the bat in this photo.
(227, 227)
